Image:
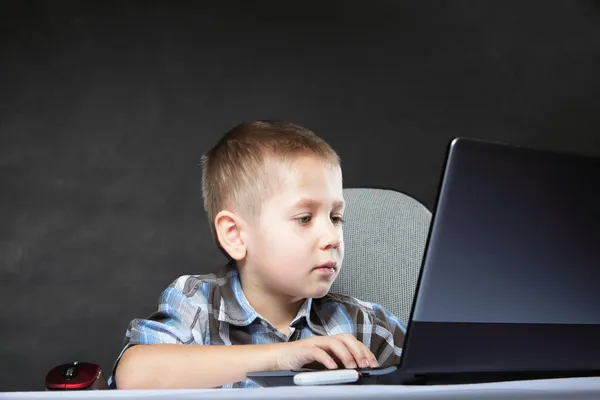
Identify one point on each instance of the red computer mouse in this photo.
(76, 376)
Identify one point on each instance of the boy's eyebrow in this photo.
(311, 203)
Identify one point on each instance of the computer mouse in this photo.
(76, 376)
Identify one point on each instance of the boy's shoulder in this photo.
(190, 285)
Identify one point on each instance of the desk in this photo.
(571, 389)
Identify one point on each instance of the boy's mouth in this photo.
(329, 267)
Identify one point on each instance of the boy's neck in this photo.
(279, 310)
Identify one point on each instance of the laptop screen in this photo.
(516, 239)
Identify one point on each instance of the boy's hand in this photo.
(345, 347)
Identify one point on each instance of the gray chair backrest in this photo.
(385, 235)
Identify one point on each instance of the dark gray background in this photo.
(106, 108)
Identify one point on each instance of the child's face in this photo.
(297, 247)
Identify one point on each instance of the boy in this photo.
(273, 193)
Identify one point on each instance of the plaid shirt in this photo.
(212, 310)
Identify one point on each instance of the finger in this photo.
(361, 353)
(340, 350)
(358, 350)
(370, 357)
(319, 355)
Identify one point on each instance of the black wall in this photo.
(106, 108)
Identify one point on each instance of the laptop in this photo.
(509, 287)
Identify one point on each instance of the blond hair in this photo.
(237, 172)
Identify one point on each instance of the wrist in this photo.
(273, 355)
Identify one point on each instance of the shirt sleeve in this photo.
(388, 336)
(181, 318)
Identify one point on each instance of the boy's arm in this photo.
(178, 366)
(193, 366)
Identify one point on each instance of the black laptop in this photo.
(510, 283)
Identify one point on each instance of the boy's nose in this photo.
(331, 240)
(336, 244)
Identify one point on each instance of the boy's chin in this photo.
(319, 295)
(318, 292)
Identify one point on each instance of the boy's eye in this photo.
(337, 219)
(304, 219)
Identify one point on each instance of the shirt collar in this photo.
(233, 306)
(235, 309)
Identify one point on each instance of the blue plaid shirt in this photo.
(212, 310)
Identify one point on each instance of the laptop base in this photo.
(467, 378)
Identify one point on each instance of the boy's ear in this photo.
(227, 226)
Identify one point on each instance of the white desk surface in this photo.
(574, 388)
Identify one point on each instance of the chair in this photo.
(385, 236)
